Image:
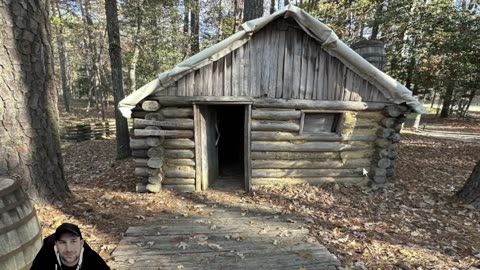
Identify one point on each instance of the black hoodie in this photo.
(46, 258)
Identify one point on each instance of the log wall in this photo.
(280, 61)
(281, 155)
(163, 147)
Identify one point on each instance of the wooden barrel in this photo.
(20, 232)
(373, 51)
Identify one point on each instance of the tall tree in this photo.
(252, 9)
(470, 192)
(62, 55)
(115, 51)
(29, 139)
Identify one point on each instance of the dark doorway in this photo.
(230, 124)
(221, 139)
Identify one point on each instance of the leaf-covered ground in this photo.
(413, 223)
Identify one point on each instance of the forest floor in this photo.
(413, 223)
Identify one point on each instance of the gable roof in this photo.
(390, 88)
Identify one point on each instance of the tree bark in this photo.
(114, 49)
(195, 26)
(63, 63)
(470, 192)
(29, 139)
(136, 48)
(447, 99)
(252, 9)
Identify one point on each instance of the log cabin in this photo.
(283, 101)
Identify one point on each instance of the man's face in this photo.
(69, 247)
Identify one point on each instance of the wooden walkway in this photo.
(222, 238)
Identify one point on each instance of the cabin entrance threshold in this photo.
(222, 146)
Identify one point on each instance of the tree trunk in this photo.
(252, 9)
(272, 6)
(195, 26)
(470, 99)
(470, 192)
(136, 48)
(123, 149)
(29, 139)
(63, 63)
(447, 100)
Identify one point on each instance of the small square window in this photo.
(321, 123)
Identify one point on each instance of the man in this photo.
(66, 250)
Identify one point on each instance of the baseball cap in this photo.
(67, 227)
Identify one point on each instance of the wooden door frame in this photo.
(198, 135)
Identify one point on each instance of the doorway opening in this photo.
(230, 123)
(221, 133)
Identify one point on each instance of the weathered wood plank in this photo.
(176, 112)
(309, 164)
(276, 115)
(179, 153)
(227, 76)
(166, 133)
(290, 136)
(280, 64)
(179, 144)
(171, 123)
(273, 173)
(179, 174)
(296, 155)
(258, 125)
(178, 181)
(181, 161)
(307, 146)
(181, 91)
(359, 180)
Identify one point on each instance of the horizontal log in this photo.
(150, 105)
(309, 164)
(385, 132)
(155, 188)
(395, 137)
(389, 122)
(182, 162)
(175, 112)
(319, 104)
(180, 188)
(165, 133)
(291, 136)
(276, 115)
(357, 154)
(274, 126)
(179, 174)
(139, 153)
(380, 179)
(136, 113)
(179, 153)
(154, 141)
(387, 153)
(383, 143)
(179, 181)
(140, 162)
(359, 180)
(141, 188)
(390, 172)
(145, 172)
(294, 155)
(154, 116)
(379, 172)
(179, 144)
(181, 123)
(384, 163)
(305, 172)
(155, 162)
(137, 144)
(156, 179)
(155, 152)
(308, 146)
(395, 110)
